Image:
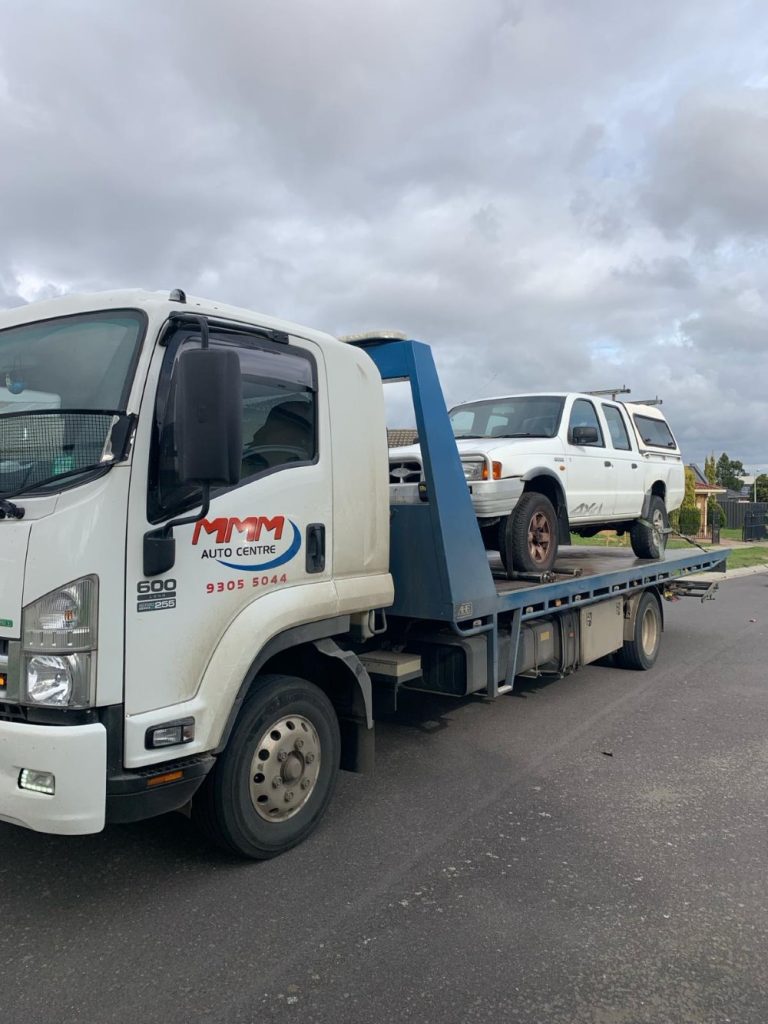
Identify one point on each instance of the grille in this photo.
(39, 446)
(405, 472)
(12, 712)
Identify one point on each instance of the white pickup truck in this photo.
(542, 466)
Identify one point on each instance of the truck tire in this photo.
(273, 782)
(649, 537)
(640, 652)
(528, 538)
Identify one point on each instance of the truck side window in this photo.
(583, 414)
(618, 431)
(279, 417)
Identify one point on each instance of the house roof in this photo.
(401, 436)
(702, 485)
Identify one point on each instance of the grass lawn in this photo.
(739, 558)
(743, 557)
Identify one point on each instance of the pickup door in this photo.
(590, 486)
(626, 470)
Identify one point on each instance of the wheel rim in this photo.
(539, 537)
(649, 633)
(657, 526)
(285, 768)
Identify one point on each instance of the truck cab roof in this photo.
(159, 305)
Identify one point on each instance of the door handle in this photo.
(607, 463)
(316, 547)
(634, 465)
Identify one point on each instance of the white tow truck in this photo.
(207, 585)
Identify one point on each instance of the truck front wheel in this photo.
(273, 782)
(528, 540)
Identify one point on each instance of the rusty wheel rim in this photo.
(539, 537)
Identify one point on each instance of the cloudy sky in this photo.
(555, 193)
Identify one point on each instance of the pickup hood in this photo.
(503, 448)
(14, 542)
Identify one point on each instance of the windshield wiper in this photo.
(521, 435)
(10, 511)
(463, 437)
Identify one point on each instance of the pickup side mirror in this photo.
(584, 435)
(208, 428)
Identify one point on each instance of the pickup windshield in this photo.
(62, 384)
(523, 416)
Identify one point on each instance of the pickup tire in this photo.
(649, 536)
(273, 782)
(528, 537)
(641, 651)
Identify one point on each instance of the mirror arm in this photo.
(160, 545)
(167, 529)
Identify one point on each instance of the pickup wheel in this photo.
(528, 540)
(271, 785)
(649, 537)
(641, 651)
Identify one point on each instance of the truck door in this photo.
(589, 487)
(259, 541)
(625, 474)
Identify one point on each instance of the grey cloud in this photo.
(710, 173)
(502, 179)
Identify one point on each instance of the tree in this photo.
(689, 498)
(729, 473)
(710, 469)
(761, 487)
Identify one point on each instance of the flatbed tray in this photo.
(601, 572)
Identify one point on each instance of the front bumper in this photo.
(495, 497)
(77, 757)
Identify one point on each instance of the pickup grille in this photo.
(405, 471)
(12, 712)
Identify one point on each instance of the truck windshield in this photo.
(521, 416)
(62, 384)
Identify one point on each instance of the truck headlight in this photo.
(58, 681)
(59, 638)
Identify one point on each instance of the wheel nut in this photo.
(309, 758)
(305, 783)
(282, 756)
(299, 744)
(288, 797)
(277, 783)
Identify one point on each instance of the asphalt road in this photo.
(499, 866)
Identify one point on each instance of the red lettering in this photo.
(251, 526)
(217, 526)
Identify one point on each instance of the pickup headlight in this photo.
(59, 639)
(477, 469)
(473, 470)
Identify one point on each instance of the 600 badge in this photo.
(155, 595)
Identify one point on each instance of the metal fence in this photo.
(737, 511)
(755, 526)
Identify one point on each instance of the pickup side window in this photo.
(616, 428)
(584, 414)
(279, 416)
(654, 432)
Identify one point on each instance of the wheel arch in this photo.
(310, 653)
(658, 489)
(544, 481)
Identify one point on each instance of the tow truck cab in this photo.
(119, 681)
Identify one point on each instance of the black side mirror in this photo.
(584, 435)
(209, 438)
(208, 428)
